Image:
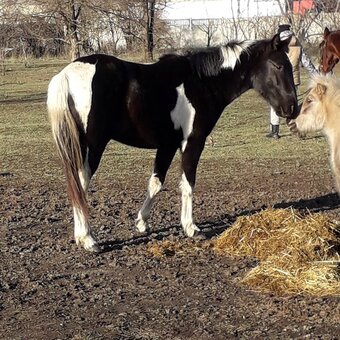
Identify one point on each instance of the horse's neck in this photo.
(240, 87)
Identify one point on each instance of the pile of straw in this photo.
(164, 248)
(298, 255)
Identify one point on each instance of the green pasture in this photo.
(26, 147)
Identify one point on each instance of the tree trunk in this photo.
(74, 31)
(150, 13)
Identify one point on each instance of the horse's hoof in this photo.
(141, 225)
(191, 230)
(88, 243)
(93, 249)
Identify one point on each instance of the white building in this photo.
(226, 9)
(205, 22)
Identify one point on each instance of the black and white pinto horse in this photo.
(169, 105)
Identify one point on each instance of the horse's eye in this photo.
(309, 100)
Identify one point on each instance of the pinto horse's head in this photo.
(273, 78)
(328, 51)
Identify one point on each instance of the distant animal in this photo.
(329, 50)
(320, 112)
(169, 105)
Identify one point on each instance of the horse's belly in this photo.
(148, 137)
(136, 142)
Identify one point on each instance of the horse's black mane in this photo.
(205, 61)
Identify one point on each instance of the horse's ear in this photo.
(326, 32)
(321, 89)
(278, 44)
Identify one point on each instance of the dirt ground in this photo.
(50, 289)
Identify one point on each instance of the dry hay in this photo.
(165, 248)
(298, 255)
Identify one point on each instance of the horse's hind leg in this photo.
(82, 230)
(164, 157)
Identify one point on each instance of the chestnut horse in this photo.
(170, 105)
(329, 50)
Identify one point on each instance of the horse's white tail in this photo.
(66, 134)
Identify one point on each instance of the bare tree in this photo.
(75, 27)
(209, 28)
(139, 21)
(150, 25)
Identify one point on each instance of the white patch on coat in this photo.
(183, 115)
(231, 54)
(154, 188)
(79, 76)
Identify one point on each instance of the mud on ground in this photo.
(50, 289)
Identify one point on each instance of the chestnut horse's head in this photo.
(329, 50)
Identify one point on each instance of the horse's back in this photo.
(130, 102)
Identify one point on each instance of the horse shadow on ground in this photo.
(215, 227)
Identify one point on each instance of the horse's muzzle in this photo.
(290, 112)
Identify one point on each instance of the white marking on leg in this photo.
(183, 115)
(82, 231)
(186, 215)
(80, 77)
(154, 188)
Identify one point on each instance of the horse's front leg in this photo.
(190, 158)
(335, 161)
(164, 157)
